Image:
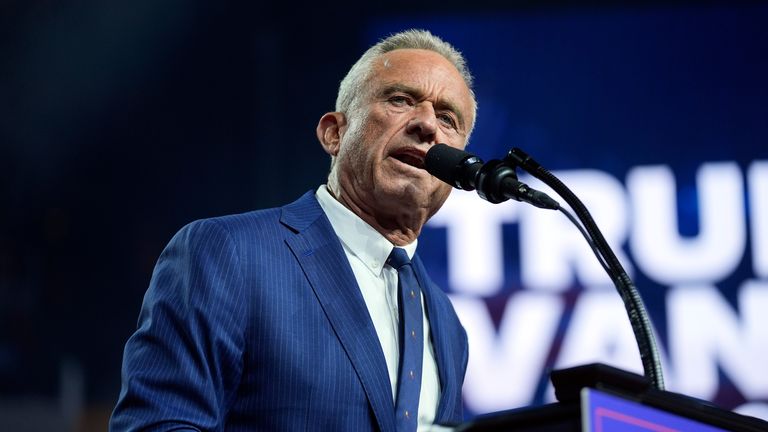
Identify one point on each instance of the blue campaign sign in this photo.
(657, 118)
(602, 412)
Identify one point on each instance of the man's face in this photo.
(414, 99)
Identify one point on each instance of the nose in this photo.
(423, 123)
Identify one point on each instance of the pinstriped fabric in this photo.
(451, 349)
(336, 290)
(255, 322)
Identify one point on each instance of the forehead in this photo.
(426, 70)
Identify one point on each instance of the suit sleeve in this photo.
(182, 366)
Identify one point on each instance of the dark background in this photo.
(120, 123)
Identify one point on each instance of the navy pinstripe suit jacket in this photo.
(255, 322)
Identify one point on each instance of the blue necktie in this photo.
(411, 341)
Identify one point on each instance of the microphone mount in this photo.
(495, 180)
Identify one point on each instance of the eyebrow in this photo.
(390, 89)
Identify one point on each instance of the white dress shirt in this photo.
(367, 251)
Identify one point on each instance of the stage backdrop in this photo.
(658, 120)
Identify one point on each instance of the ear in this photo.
(329, 131)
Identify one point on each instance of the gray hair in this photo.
(353, 85)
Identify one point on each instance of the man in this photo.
(298, 318)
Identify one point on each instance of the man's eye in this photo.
(399, 100)
(447, 119)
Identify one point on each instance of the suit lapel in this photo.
(321, 257)
(442, 344)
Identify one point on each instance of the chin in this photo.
(425, 196)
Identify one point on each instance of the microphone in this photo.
(495, 180)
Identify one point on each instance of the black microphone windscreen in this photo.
(443, 160)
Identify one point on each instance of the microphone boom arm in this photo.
(633, 303)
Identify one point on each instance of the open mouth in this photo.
(410, 156)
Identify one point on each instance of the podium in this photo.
(602, 398)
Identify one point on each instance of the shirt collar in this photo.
(361, 239)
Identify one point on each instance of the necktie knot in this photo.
(398, 258)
